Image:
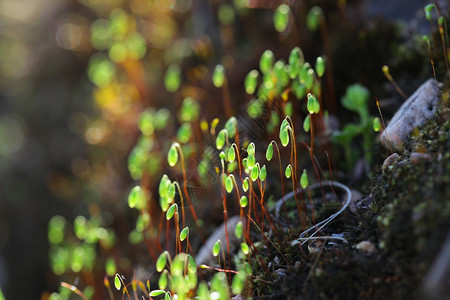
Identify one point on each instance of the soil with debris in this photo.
(398, 234)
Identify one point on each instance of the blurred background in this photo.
(75, 77)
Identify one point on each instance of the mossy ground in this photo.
(406, 216)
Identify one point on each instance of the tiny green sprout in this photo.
(117, 282)
(428, 8)
(238, 230)
(161, 261)
(243, 201)
(296, 60)
(266, 62)
(269, 152)
(171, 211)
(441, 21)
(231, 154)
(136, 197)
(288, 109)
(172, 78)
(171, 192)
(385, 69)
(303, 72)
(251, 81)
(304, 179)
(184, 233)
(190, 110)
(376, 124)
(300, 91)
(231, 126)
(251, 161)
(216, 248)
(314, 17)
(155, 293)
(320, 66)
(311, 104)
(263, 173)
(164, 185)
(110, 266)
(218, 76)
(288, 171)
(221, 139)
(184, 133)
(162, 282)
(307, 123)
(284, 136)
(255, 172)
(245, 249)
(251, 148)
(172, 156)
(229, 183)
(281, 17)
(222, 155)
(310, 79)
(245, 184)
(238, 283)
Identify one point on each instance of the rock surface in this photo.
(420, 107)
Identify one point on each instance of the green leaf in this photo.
(164, 186)
(218, 76)
(172, 156)
(238, 230)
(171, 211)
(376, 124)
(310, 106)
(304, 180)
(281, 17)
(266, 62)
(190, 110)
(161, 261)
(110, 267)
(216, 248)
(155, 293)
(136, 198)
(251, 81)
(356, 98)
(255, 172)
(269, 152)
(184, 133)
(428, 8)
(238, 283)
(117, 282)
(288, 109)
(245, 249)
(255, 108)
(221, 138)
(263, 173)
(320, 66)
(307, 123)
(245, 184)
(313, 18)
(251, 161)
(162, 282)
(310, 79)
(231, 126)
(284, 138)
(184, 233)
(229, 184)
(172, 78)
(288, 171)
(296, 60)
(171, 192)
(243, 201)
(231, 154)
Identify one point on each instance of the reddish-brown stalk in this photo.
(281, 179)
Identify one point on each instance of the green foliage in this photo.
(314, 18)
(281, 17)
(172, 78)
(218, 76)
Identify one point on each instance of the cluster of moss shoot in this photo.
(243, 173)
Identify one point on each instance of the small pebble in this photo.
(390, 161)
(417, 158)
(366, 246)
(413, 113)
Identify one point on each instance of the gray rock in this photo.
(420, 107)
